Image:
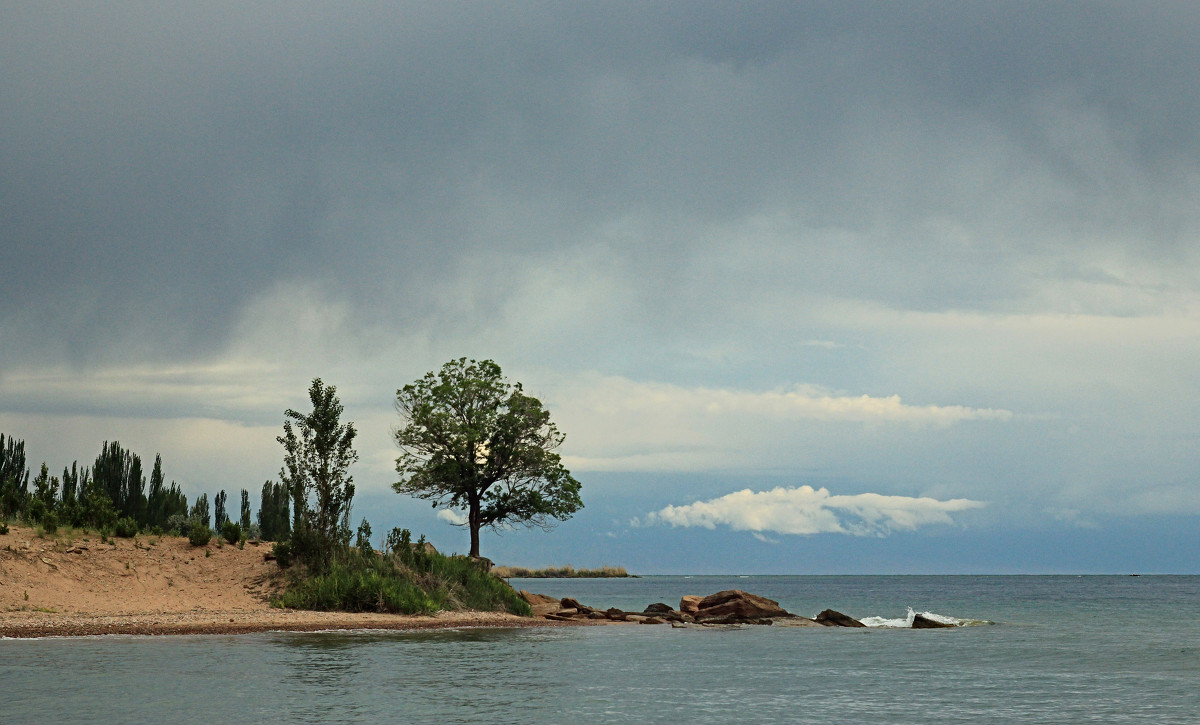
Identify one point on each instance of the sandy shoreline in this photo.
(76, 584)
(23, 625)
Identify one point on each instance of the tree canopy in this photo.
(473, 441)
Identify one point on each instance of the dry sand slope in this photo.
(76, 584)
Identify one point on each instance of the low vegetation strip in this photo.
(564, 572)
(408, 579)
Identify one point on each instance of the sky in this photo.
(824, 288)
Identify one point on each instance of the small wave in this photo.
(907, 620)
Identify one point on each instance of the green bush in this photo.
(231, 531)
(126, 528)
(3, 527)
(358, 587)
(178, 525)
(413, 580)
(282, 551)
(50, 522)
(199, 534)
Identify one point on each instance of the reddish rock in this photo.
(690, 603)
(735, 605)
(541, 604)
(569, 603)
(532, 598)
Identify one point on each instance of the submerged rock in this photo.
(797, 622)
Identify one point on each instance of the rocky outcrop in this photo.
(729, 608)
(831, 618)
(735, 606)
(540, 603)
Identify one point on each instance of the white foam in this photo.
(907, 620)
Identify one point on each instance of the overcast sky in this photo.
(810, 287)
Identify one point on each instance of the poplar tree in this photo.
(245, 518)
(318, 453)
(220, 517)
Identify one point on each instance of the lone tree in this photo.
(316, 463)
(473, 441)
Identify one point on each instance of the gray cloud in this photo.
(166, 163)
(982, 205)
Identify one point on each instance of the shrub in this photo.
(363, 541)
(126, 528)
(178, 525)
(199, 534)
(359, 587)
(231, 531)
(50, 522)
(282, 551)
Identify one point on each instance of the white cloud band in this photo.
(806, 510)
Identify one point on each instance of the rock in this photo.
(636, 618)
(734, 605)
(615, 614)
(690, 603)
(830, 618)
(658, 608)
(569, 603)
(541, 604)
(597, 615)
(922, 622)
(569, 612)
(533, 599)
(651, 620)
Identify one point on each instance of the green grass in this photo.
(563, 572)
(420, 584)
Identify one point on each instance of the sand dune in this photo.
(75, 584)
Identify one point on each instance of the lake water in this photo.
(1058, 649)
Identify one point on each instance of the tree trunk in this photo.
(473, 523)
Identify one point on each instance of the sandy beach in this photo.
(73, 584)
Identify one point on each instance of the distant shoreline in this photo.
(563, 572)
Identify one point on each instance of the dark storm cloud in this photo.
(164, 163)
